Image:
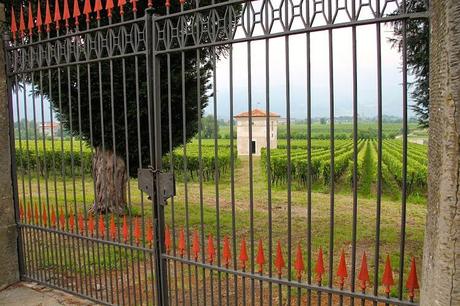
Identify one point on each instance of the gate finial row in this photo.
(58, 16)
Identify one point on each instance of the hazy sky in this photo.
(342, 57)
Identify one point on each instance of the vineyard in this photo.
(320, 161)
(74, 158)
(206, 161)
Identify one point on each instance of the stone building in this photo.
(259, 131)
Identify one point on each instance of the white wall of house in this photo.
(259, 133)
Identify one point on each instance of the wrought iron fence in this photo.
(115, 82)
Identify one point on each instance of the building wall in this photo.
(258, 134)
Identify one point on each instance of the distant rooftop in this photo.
(256, 113)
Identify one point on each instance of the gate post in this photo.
(154, 104)
(441, 256)
(8, 230)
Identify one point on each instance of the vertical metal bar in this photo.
(216, 175)
(72, 172)
(125, 110)
(82, 173)
(289, 174)
(153, 77)
(232, 175)
(309, 183)
(32, 235)
(379, 155)
(200, 165)
(114, 158)
(251, 174)
(171, 162)
(90, 112)
(332, 150)
(45, 165)
(355, 158)
(404, 161)
(101, 109)
(26, 267)
(268, 167)
(14, 177)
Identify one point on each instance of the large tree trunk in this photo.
(110, 179)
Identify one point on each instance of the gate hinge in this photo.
(166, 183)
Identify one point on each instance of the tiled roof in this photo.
(256, 113)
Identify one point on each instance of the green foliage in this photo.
(206, 164)
(67, 158)
(418, 48)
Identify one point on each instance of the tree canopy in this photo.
(418, 47)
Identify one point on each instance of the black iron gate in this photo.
(123, 195)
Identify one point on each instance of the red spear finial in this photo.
(66, 14)
(137, 231)
(211, 249)
(319, 269)
(298, 264)
(14, 25)
(81, 223)
(98, 9)
(363, 276)
(76, 12)
(29, 215)
(342, 270)
(44, 217)
(150, 3)
(39, 17)
(226, 253)
(53, 218)
(387, 278)
(91, 225)
(149, 236)
(195, 245)
(48, 16)
(125, 230)
(36, 214)
(87, 10)
(101, 225)
(22, 25)
(121, 5)
(260, 260)
(30, 24)
(112, 228)
(182, 2)
(134, 4)
(62, 219)
(21, 212)
(167, 239)
(412, 280)
(57, 14)
(181, 244)
(71, 221)
(109, 7)
(279, 260)
(167, 3)
(243, 253)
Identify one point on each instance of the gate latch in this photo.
(166, 183)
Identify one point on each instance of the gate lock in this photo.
(166, 183)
